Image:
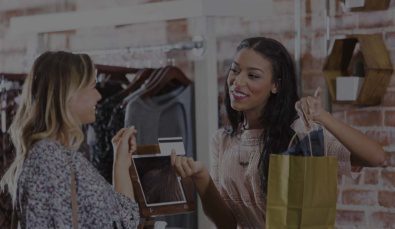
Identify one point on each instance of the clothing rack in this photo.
(8, 81)
(108, 69)
(13, 76)
(196, 45)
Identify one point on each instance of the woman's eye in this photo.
(252, 76)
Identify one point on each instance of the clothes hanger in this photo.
(13, 76)
(154, 77)
(138, 81)
(169, 76)
(115, 74)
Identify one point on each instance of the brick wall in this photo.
(366, 201)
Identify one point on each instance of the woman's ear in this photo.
(274, 89)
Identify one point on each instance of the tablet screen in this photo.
(160, 184)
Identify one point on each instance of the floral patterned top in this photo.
(44, 192)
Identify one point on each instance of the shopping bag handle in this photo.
(308, 136)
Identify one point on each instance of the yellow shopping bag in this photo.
(302, 192)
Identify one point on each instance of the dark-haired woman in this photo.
(260, 102)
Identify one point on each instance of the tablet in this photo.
(160, 184)
(157, 188)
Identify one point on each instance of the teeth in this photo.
(238, 94)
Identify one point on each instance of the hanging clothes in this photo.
(111, 84)
(8, 105)
(109, 120)
(102, 146)
(167, 115)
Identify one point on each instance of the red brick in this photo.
(388, 178)
(364, 118)
(307, 22)
(359, 197)
(284, 7)
(388, 99)
(34, 10)
(390, 159)
(389, 118)
(382, 220)
(313, 80)
(387, 199)
(375, 19)
(383, 137)
(308, 6)
(346, 218)
(177, 30)
(390, 40)
(344, 22)
(310, 63)
(392, 82)
(342, 107)
(352, 181)
(371, 176)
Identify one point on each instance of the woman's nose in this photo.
(98, 95)
(239, 80)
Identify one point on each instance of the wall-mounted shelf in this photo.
(368, 5)
(377, 66)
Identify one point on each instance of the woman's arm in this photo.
(124, 144)
(213, 205)
(364, 151)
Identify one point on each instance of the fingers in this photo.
(303, 105)
(179, 168)
(118, 136)
(184, 166)
(173, 157)
(130, 135)
(317, 93)
(195, 165)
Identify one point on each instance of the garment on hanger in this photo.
(167, 115)
(100, 133)
(102, 144)
(8, 108)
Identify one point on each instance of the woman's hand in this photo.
(312, 107)
(124, 145)
(213, 204)
(187, 167)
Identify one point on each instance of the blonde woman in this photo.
(58, 97)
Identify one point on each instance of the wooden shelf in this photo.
(371, 5)
(377, 66)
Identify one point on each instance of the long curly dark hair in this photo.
(279, 111)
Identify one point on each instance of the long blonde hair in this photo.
(43, 111)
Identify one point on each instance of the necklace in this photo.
(245, 148)
(243, 160)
